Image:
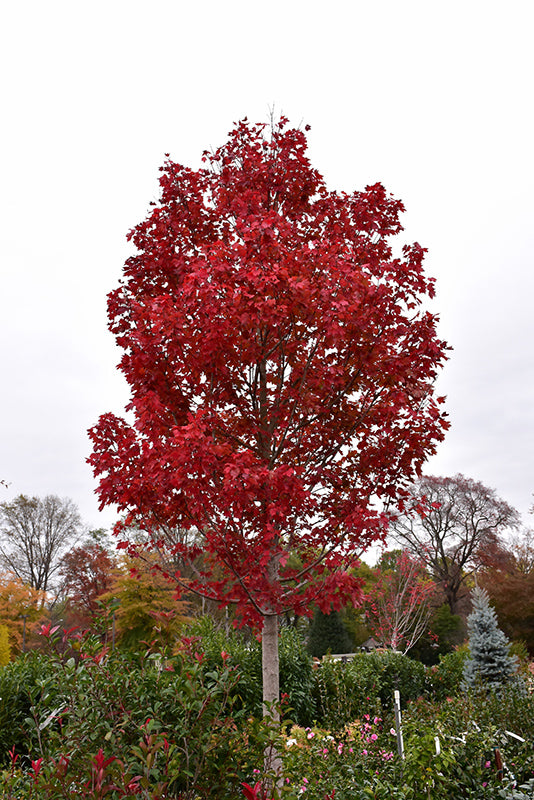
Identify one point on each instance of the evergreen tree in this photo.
(489, 664)
(328, 634)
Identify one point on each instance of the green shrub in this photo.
(344, 692)
(170, 722)
(396, 671)
(446, 678)
(244, 653)
(25, 684)
(470, 728)
(296, 676)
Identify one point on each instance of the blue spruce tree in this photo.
(490, 664)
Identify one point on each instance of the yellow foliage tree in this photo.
(5, 649)
(145, 605)
(21, 609)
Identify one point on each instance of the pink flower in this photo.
(374, 737)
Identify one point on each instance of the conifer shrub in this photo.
(489, 664)
(328, 634)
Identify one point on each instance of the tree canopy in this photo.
(450, 525)
(281, 365)
(34, 534)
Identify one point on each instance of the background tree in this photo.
(20, 606)
(444, 633)
(399, 605)
(281, 372)
(353, 617)
(489, 663)
(508, 577)
(87, 573)
(34, 534)
(145, 604)
(328, 634)
(450, 525)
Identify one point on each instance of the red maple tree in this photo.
(87, 572)
(398, 606)
(281, 371)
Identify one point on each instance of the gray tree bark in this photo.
(271, 693)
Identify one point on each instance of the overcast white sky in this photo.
(432, 99)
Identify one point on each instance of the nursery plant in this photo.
(489, 664)
(153, 725)
(281, 363)
(81, 721)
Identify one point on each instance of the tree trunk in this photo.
(270, 666)
(271, 693)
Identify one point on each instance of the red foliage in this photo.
(255, 792)
(398, 606)
(281, 372)
(88, 573)
(507, 574)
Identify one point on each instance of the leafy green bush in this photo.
(168, 725)
(296, 676)
(93, 724)
(471, 728)
(345, 692)
(25, 683)
(445, 678)
(396, 671)
(244, 654)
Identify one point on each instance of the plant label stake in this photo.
(398, 723)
